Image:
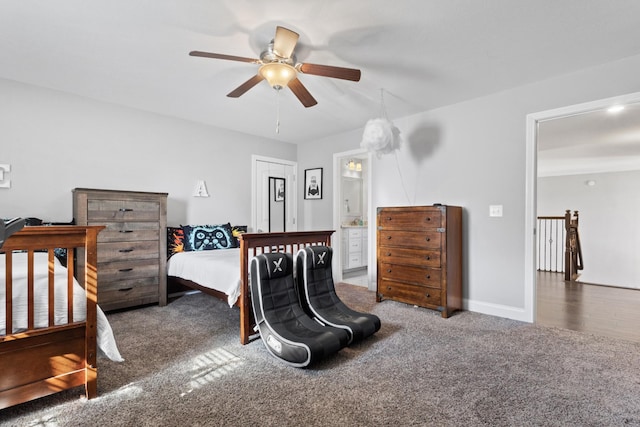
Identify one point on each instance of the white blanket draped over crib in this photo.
(105, 338)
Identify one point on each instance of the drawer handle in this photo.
(428, 276)
(428, 239)
(428, 219)
(388, 253)
(126, 210)
(427, 295)
(126, 250)
(388, 218)
(389, 271)
(126, 231)
(388, 288)
(388, 237)
(427, 257)
(125, 269)
(124, 289)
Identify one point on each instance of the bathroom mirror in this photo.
(351, 197)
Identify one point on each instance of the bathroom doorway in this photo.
(352, 175)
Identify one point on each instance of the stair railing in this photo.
(573, 251)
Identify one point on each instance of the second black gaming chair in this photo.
(319, 298)
(286, 330)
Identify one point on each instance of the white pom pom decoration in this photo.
(380, 136)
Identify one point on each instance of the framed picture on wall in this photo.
(278, 190)
(313, 183)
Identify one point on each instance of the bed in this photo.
(224, 273)
(50, 340)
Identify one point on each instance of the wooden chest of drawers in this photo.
(132, 249)
(419, 254)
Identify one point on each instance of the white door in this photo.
(273, 211)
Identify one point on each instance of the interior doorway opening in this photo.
(353, 220)
(533, 128)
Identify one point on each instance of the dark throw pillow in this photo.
(236, 231)
(207, 237)
(175, 241)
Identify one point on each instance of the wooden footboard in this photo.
(252, 244)
(37, 362)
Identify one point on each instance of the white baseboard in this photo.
(509, 312)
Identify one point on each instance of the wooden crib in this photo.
(39, 361)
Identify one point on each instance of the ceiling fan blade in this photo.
(222, 56)
(284, 42)
(240, 90)
(330, 71)
(302, 93)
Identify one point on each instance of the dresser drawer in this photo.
(405, 256)
(120, 251)
(422, 239)
(413, 219)
(122, 210)
(127, 284)
(126, 270)
(355, 233)
(410, 294)
(354, 260)
(403, 273)
(128, 231)
(127, 293)
(355, 245)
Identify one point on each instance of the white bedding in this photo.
(217, 269)
(106, 341)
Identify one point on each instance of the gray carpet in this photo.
(185, 367)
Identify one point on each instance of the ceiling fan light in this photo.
(277, 74)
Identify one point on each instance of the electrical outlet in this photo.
(495, 210)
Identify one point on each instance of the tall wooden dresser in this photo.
(420, 256)
(132, 249)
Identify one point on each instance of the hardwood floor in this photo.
(600, 310)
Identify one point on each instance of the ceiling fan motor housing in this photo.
(269, 55)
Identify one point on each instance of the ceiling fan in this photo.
(279, 67)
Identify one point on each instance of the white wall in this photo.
(56, 142)
(609, 225)
(318, 214)
(473, 154)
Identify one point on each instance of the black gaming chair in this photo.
(286, 330)
(319, 298)
(8, 227)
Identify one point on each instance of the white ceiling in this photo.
(423, 53)
(592, 142)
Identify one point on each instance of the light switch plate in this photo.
(5, 182)
(495, 210)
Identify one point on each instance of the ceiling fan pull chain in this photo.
(277, 111)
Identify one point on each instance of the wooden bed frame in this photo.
(252, 244)
(42, 361)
